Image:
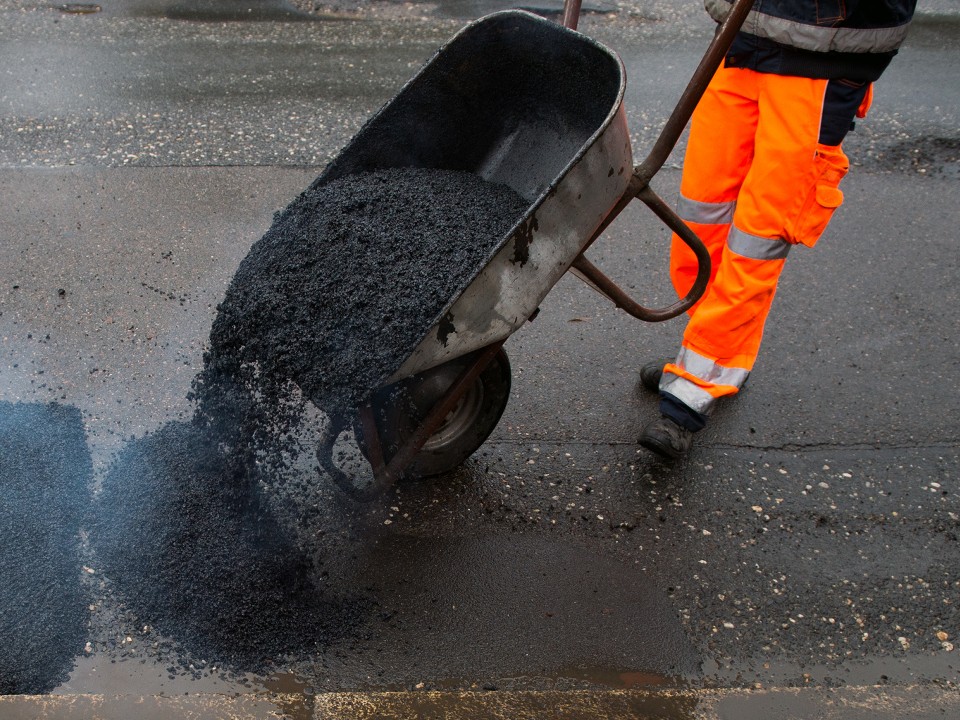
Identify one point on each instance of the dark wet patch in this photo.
(79, 8)
(928, 155)
(218, 10)
(472, 9)
(528, 608)
(45, 470)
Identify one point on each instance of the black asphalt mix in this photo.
(352, 275)
(181, 525)
(182, 532)
(45, 476)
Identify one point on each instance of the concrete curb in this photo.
(920, 702)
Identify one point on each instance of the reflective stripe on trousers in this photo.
(699, 376)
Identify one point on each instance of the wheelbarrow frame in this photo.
(386, 472)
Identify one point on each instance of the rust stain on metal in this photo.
(524, 237)
(445, 327)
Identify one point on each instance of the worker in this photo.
(761, 173)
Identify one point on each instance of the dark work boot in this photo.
(650, 374)
(666, 438)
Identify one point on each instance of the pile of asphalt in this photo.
(45, 473)
(183, 532)
(352, 275)
(325, 306)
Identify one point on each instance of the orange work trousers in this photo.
(756, 181)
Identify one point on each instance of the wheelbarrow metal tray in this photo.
(522, 101)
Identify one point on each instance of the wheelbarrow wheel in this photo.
(399, 411)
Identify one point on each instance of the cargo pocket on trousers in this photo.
(824, 197)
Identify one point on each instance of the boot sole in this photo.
(662, 449)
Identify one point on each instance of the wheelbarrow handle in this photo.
(571, 13)
(327, 464)
(593, 276)
(639, 185)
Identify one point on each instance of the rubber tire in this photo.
(400, 409)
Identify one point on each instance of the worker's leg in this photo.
(718, 156)
(787, 197)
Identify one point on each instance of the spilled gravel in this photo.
(184, 534)
(324, 308)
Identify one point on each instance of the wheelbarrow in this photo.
(537, 106)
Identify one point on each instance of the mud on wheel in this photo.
(400, 409)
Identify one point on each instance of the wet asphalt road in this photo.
(809, 539)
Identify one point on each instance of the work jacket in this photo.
(850, 39)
